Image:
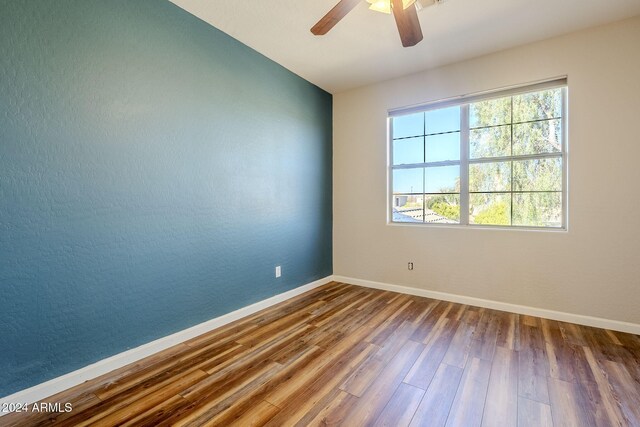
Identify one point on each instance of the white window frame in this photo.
(464, 162)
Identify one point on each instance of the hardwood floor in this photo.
(346, 355)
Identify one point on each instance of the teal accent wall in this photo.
(153, 172)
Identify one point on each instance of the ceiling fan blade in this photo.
(334, 16)
(407, 22)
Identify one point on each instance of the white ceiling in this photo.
(365, 47)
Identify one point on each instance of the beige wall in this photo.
(592, 269)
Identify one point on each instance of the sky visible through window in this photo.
(441, 143)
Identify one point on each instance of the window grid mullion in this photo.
(514, 158)
(424, 172)
(480, 160)
(511, 181)
(464, 164)
(563, 149)
(427, 165)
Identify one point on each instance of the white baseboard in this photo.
(64, 382)
(579, 319)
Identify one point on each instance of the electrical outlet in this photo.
(410, 266)
(278, 271)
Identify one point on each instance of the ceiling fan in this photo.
(404, 12)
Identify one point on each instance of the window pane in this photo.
(442, 120)
(489, 177)
(490, 209)
(490, 142)
(538, 105)
(409, 150)
(409, 125)
(442, 147)
(407, 208)
(537, 175)
(442, 179)
(537, 209)
(514, 161)
(490, 113)
(537, 137)
(442, 209)
(408, 180)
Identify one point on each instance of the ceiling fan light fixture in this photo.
(405, 13)
(384, 6)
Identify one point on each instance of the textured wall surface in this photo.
(592, 269)
(153, 172)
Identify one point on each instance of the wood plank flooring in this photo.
(352, 356)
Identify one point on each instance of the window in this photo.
(491, 160)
